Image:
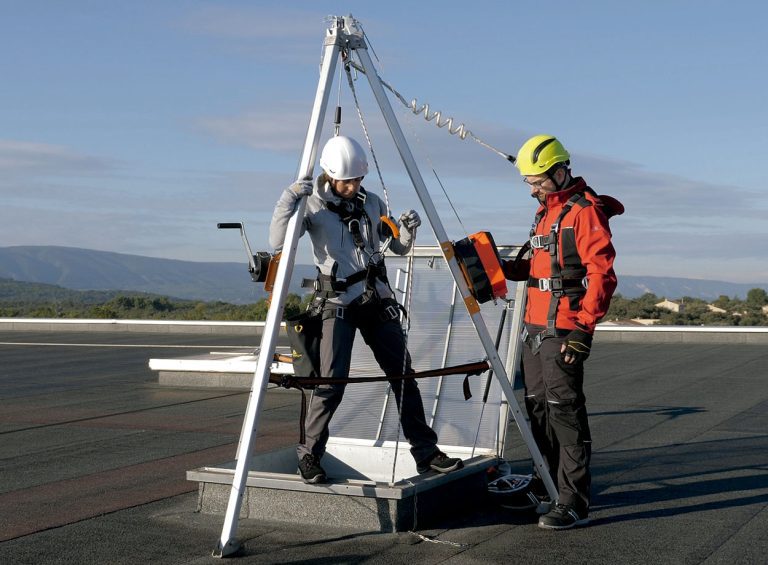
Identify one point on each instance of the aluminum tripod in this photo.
(345, 33)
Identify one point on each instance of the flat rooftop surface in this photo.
(93, 457)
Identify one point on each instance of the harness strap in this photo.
(350, 213)
(328, 286)
(566, 284)
(387, 310)
(289, 381)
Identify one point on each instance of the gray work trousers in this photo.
(386, 340)
(554, 399)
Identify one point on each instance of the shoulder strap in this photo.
(350, 213)
(555, 284)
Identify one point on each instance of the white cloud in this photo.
(252, 22)
(24, 157)
(267, 33)
(259, 129)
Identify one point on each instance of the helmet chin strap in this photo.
(551, 175)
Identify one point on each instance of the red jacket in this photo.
(592, 236)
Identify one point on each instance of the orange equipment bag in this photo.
(480, 262)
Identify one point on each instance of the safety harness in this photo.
(352, 213)
(570, 279)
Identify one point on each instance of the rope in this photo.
(405, 326)
(422, 537)
(499, 334)
(367, 137)
(460, 130)
(448, 198)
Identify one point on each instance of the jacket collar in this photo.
(559, 198)
(325, 192)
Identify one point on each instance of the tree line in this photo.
(136, 307)
(724, 311)
(32, 300)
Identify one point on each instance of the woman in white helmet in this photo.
(353, 293)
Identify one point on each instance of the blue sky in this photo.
(136, 127)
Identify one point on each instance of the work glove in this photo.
(517, 269)
(576, 346)
(302, 187)
(410, 220)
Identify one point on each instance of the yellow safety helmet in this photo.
(539, 154)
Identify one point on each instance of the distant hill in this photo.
(671, 287)
(12, 291)
(87, 269)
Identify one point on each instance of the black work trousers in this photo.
(554, 399)
(386, 340)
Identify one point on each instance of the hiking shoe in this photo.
(311, 471)
(441, 463)
(563, 517)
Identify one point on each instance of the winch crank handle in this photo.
(239, 226)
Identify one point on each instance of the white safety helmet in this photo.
(343, 158)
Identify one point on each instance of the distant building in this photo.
(715, 309)
(628, 322)
(645, 321)
(671, 306)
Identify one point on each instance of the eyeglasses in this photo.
(537, 184)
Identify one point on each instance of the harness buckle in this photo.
(540, 241)
(535, 342)
(585, 282)
(390, 312)
(550, 285)
(340, 312)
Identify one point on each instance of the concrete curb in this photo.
(605, 333)
(137, 326)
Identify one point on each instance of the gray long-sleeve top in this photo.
(332, 242)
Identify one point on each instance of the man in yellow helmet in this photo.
(570, 280)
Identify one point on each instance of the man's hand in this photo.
(576, 347)
(302, 187)
(410, 220)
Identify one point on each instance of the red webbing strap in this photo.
(289, 381)
(301, 383)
